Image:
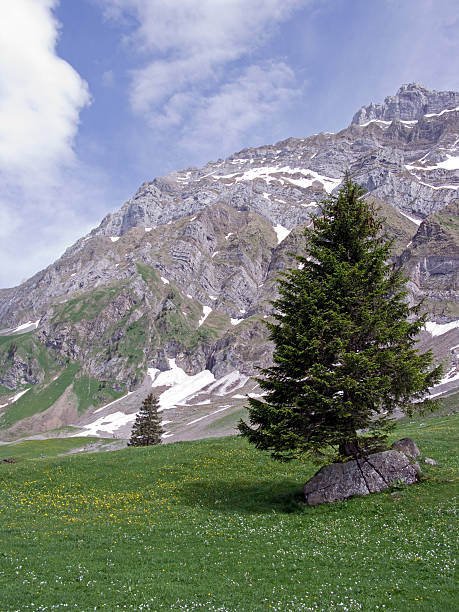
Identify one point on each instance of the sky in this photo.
(99, 96)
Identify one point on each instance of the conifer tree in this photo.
(345, 358)
(147, 429)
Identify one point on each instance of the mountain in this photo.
(174, 287)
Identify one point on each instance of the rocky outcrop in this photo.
(339, 481)
(407, 446)
(411, 102)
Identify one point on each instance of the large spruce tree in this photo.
(147, 429)
(345, 359)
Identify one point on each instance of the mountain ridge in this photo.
(185, 269)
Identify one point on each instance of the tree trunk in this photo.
(349, 449)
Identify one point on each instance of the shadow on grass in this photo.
(258, 497)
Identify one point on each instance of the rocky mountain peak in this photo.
(411, 102)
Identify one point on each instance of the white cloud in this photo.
(41, 181)
(41, 95)
(239, 106)
(198, 57)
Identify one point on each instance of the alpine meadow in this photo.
(229, 376)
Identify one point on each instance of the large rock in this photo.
(411, 102)
(371, 474)
(407, 446)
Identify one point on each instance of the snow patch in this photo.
(164, 280)
(18, 395)
(114, 238)
(228, 235)
(417, 221)
(26, 326)
(182, 385)
(229, 383)
(375, 121)
(213, 297)
(447, 110)
(451, 163)
(106, 424)
(206, 310)
(188, 386)
(266, 174)
(168, 378)
(281, 231)
(438, 329)
(452, 376)
(235, 321)
(148, 229)
(214, 254)
(207, 415)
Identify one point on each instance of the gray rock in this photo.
(411, 102)
(407, 446)
(372, 474)
(430, 461)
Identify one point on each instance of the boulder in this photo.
(362, 476)
(407, 446)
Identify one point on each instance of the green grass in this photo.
(86, 306)
(33, 449)
(39, 400)
(217, 525)
(4, 391)
(92, 392)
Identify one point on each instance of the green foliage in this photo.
(345, 357)
(148, 274)
(86, 306)
(29, 349)
(34, 449)
(216, 525)
(132, 341)
(92, 392)
(40, 399)
(147, 429)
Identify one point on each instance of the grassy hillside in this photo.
(216, 525)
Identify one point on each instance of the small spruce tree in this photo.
(345, 358)
(147, 429)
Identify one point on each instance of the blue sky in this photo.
(98, 96)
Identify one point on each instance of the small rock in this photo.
(406, 446)
(430, 461)
(371, 474)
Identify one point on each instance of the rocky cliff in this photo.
(179, 280)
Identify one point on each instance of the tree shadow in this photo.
(257, 497)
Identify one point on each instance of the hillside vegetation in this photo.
(216, 525)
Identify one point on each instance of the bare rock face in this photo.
(411, 102)
(371, 474)
(407, 446)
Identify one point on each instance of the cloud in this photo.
(239, 106)
(41, 97)
(194, 56)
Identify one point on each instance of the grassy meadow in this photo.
(217, 525)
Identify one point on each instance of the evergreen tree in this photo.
(147, 429)
(345, 358)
